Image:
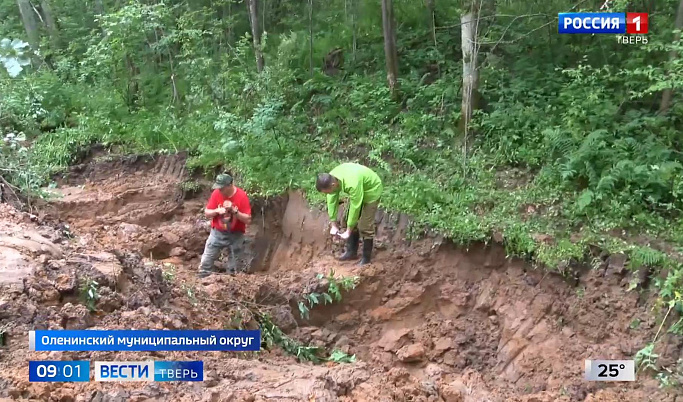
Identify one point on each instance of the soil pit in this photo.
(428, 321)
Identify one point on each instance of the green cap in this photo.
(222, 180)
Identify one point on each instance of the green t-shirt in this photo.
(361, 184)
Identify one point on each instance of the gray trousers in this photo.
(234, 242)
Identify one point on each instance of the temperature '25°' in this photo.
(610, 370)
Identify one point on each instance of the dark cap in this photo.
(222, 180)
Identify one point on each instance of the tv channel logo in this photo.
(637, 23)
(603, 23)
(124, 371)
(150, 371)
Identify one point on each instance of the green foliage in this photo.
(646, 358)
(273, 335)
(190, 292)
(671, 287)
(338, 356)
(89, 293)
(14, 56)
(169, 272)
(575, 124)
(677, 328)
(671, 379)
(560, 253)
(239, 317)
(335, 287)
(190, 186)
(645, 257)
(3, 334)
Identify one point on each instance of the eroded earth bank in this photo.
(428, 321)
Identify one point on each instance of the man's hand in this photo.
(345, 235)
(234, 209)
(334, 229)
(220, 211)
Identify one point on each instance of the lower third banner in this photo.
(144, 340)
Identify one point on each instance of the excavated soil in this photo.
(428, 321)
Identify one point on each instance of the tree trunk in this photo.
(256, 33)
(99, 11)
(667, 95)
(48, 17)
(354, 44)
(390, 52)
(470, 73)
(230, 34)
(99, 7)
(432, 24)
(431, 7)
(133, 88)
(310, 36)
(30, 23)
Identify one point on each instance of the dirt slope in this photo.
(428, 321)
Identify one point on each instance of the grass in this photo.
(536, 220)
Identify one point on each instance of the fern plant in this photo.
(645, 257)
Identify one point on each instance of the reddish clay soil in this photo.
(428, 321)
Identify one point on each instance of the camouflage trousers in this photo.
(236, 243)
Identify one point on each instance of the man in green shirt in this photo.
(364, 188)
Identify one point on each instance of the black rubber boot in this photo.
(351, 247)
(367, 252)
(202, 273)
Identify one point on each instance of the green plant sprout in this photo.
(335, 287)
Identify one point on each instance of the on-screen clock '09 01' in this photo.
(59, 371)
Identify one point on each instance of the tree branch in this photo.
(5, 183)
(40, 17)
(499, 41)
(497, 16)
